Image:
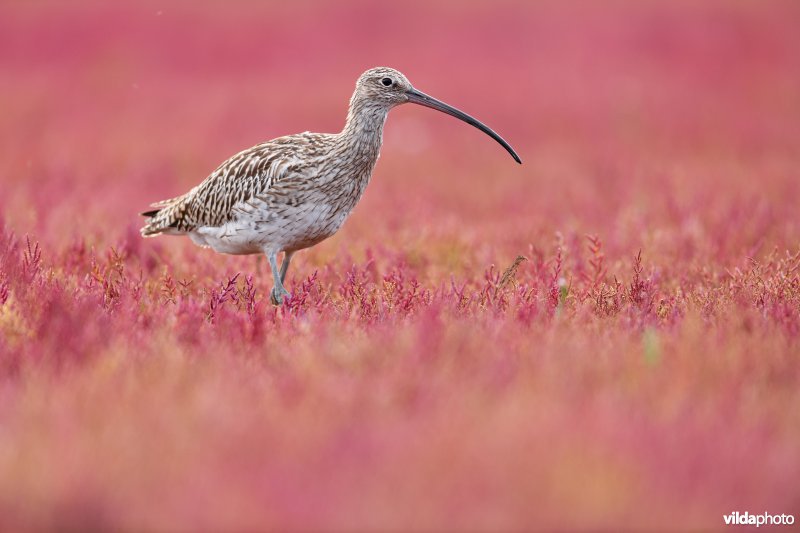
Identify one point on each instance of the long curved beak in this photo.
(423, 99)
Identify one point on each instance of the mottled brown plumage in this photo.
(292, 192)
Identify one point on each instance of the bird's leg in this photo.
(278, 290)
(287, 256)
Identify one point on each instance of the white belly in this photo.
(259, 229)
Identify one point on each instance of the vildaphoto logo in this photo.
(746, 519)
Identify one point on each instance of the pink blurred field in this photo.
(639, 371)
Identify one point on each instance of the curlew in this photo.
(293, 192)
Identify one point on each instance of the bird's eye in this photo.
(387, 82)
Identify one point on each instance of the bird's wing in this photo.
(249, 173)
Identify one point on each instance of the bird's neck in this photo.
(363, 131)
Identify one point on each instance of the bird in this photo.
(293, 192)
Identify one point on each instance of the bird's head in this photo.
(384, 85)
(382, 88)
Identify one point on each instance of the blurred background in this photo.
(624, 112)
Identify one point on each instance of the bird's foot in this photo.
(277, 295)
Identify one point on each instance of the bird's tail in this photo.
(156, 224)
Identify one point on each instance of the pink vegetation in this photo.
(640, 368)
